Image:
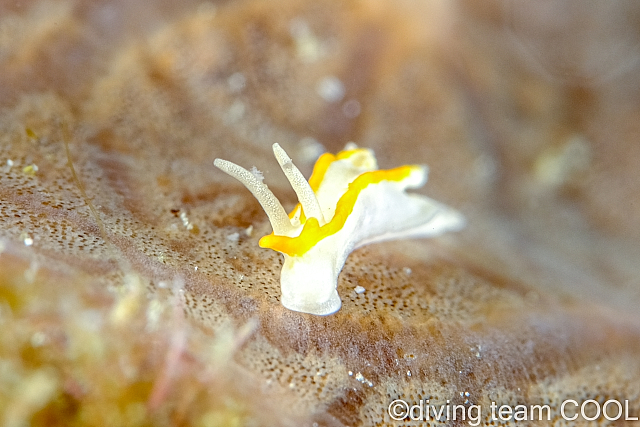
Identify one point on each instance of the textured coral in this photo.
(535, 302)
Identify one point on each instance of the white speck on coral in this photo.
(38, 339)
(407, 271)
(359, 289)
(556, 167)
(195, 268)
(30, 169)
(408, 373)
(257, 174)
(330, 89)
(233, 237)
(236, 82)
(478, 355)
(308, 47)
(28, 241)
(185, 220)
(9, 162)
(249, 231)
(363, 380)
(350, 373)
(235, 112)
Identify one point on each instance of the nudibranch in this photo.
(346, 203)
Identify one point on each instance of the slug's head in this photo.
(309, 275)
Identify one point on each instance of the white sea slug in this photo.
(346, 203)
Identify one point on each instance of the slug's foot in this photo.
(325, 308)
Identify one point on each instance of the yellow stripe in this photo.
(319, 171)
(323, 163)
(312, 232)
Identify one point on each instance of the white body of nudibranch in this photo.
(346, 203)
